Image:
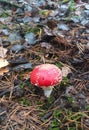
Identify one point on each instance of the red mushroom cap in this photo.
(46, 75)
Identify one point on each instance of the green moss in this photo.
(59, 64)
(24, 101)
(87, 107)
(70, 99)
(48, 103)
(66, 119)
(65, 81)
(36, 30)
(56, 122)
(57, 113)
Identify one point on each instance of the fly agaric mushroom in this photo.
(46, 76)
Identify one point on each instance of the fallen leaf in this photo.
(3, 52)
(65, 71)
(3, 70)
(3, 62)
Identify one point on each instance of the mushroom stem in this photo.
(47, 91)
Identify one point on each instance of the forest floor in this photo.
(34, 32)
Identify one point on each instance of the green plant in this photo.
(56, 122)
(65, 81)
(87, 107)
(37, 30)
(65, 1)
(24, 101)
(48, 103)
(57, 113)
(4, 14)
(44, 12)
(59, 64)
(22, 85)
(72, 6)
(66, 119)
(70, 99)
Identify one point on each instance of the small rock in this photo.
(30, 38)
(36, 19)
(17, 48)
(14, 37)
(75, 20)
(5, 31)
(22, 67)
(87, 6)
(63, 27)
(86, 13)
(18, 60)
(84, 22)
(27, 19)
(63, 7)
(87, 31)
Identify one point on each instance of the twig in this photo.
(9, 90)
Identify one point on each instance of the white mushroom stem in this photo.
(47, 91)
